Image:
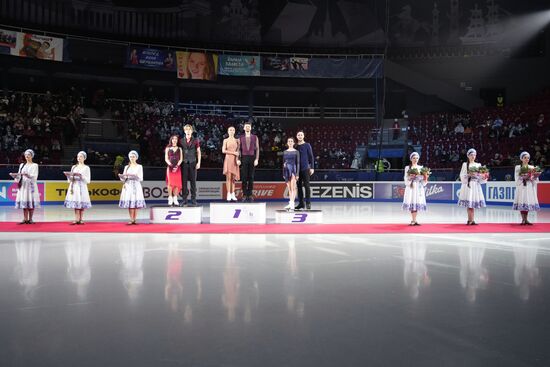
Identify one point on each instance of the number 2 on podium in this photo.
(173, 215)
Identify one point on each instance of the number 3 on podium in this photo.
(299, 218)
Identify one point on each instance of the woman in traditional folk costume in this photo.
(78, 197)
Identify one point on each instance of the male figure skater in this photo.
(307, 163)
(248, 160)
(191, 163)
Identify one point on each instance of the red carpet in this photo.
(119, 227)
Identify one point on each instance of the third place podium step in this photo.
(299, 217)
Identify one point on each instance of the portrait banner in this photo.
(197, 65)
(38, 47)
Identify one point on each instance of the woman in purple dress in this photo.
(291, 162)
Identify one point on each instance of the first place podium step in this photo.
(238, 213)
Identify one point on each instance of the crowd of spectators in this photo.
(46, 122)
(42, 122)
(150, 124)
(498, 133)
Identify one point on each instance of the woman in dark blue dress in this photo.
(291, 162)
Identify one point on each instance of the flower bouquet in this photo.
(473, 172)
(478, 173)
(414, 175)
(425, 171)
(484, 172)
(536, 171)
(413, 172)
(525, 172)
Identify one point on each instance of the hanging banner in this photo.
(8, 38)
(150, 58)
(38, 47)
(239, 65)
(197, 65)
(299, 67)
(299, 63)
(275, 65)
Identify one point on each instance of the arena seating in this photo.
(152, 123)
(43, 122)
(525, 127)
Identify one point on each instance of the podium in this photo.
(175, 215)
(299, 217)
(238, 213)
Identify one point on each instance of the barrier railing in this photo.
(388, 136)
(303, 112)
(245, 111)
(95, 127)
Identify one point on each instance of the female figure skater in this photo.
(526, 188)
(28, 197)
(291, 162)
(471, 196)
(78, 197)
(173, 156)
(131, 196)
(230, 148)
(414, 199)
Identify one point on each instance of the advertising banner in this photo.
(439, 191)
(206, 190)
(8, 39)
(99, 190)
(543, 191)
(197, 65)
(500, 192)
(239, 65)
(8, 191)
(299, 63)
(435, 191)
(262, 190)
(150, 58)
(275, 64)
(342, 190)
(109, 191)
(38, 47)
(319, 190)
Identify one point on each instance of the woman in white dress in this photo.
(131, 196)
(78, 197)
(526, 189)
(28, 197)
(471, 195)
(414, 199)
